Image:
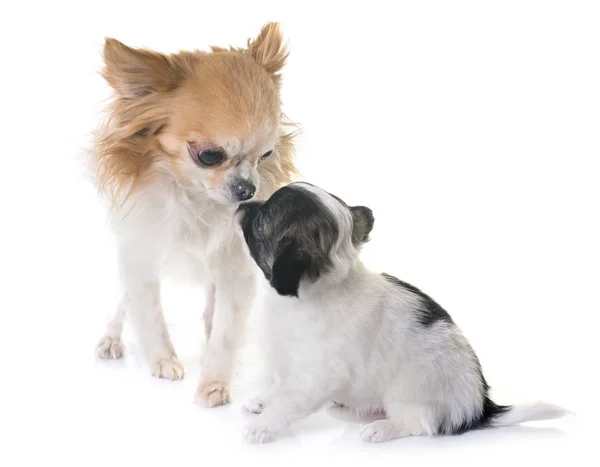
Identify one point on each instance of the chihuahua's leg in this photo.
(209, 310)
(234, 293)
(151, 329)
(292, 401)
(139, 275)
(111, 345)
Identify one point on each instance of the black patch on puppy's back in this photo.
(430, 312)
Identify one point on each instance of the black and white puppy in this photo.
(378, 347)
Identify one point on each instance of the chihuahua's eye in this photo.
(266, 154)
(210, 157)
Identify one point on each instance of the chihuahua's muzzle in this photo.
(243, 190)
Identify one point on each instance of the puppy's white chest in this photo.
(294, 332)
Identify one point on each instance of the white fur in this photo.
(528, 413)
(352, 338)
(169, 229)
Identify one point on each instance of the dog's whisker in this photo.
(200, 192)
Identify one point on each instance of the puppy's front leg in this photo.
(257, 404)
(234, 293)
(293, 400)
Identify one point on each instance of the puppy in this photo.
(189, 136)
(368, 345)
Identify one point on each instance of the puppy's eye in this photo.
(266, 154)
(210, 157)
(259, 222)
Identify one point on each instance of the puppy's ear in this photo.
(268, 49)
(363, 224)
(139, 72)
(290, 266)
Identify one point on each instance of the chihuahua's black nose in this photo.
(244, 190)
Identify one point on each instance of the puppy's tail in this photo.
(502, 415)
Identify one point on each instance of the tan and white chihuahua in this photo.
(189, 136)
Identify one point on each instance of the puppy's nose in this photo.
(244, 189)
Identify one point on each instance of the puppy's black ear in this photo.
(363, 224)
(289, 267)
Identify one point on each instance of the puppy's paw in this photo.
(258, 433)
(212, 394)
(167, 368)
(253, 406)
(379, 431)
(110, 348)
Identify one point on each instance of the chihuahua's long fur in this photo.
(188, 137)
(367, 345)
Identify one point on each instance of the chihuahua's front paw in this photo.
(258, 433)
(253, 406)
(212, 394)
(167, 368)
(110, 348)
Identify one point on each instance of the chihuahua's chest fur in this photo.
(190, 238)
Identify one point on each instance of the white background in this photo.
(470, 129)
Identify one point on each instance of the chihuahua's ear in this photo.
(290, 266)
(268, 49)
(134, 73)
(363, 220)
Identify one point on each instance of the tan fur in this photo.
(164, 104)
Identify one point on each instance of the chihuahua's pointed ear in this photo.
(364, 221)
(290, 266)
(268, 49)
(136, 73)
